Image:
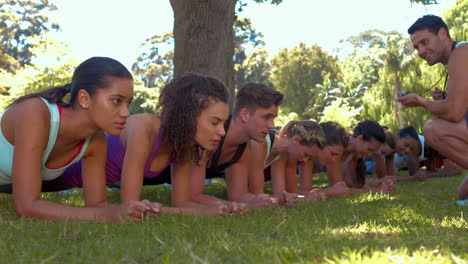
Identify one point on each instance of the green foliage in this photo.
(457, 20)
(144, 100)
(20, 22)
(283, 118)
(255, 67)
(297, 72)
(155, 65)
(403, 70)
(342, 112)
(419, 223)
(37, 77)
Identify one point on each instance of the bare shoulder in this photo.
(97, 144)
(459, 56)
(144, 122)
(31, 108)
(24, 117)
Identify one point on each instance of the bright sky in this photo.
(116, 28)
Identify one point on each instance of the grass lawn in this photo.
(419, 223)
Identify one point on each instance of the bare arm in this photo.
(390, 164)
(237, 178)
(138, 137)
(237, 181)
(334, 172)
(413, 163)
(27, 178)
(380, 165)
(278, 176)
(454, 107)
(256, 167)
(306, 173)
(197, 182)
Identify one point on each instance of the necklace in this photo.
(445, 88)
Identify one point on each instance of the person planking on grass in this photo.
(277, 159)
(255, 109)
(193, 109)
(41, 136)
(381, 162)
(413, 153)
(346, 169)
(447, 132)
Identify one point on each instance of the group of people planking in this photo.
(90, 141)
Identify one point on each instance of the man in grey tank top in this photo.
(447, 132)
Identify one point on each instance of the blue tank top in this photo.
(7, 150)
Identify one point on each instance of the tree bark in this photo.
(398, 109)
(204, 39)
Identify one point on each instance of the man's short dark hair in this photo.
(430, 22)
(369, 130)
(255, 95)
(408, 131)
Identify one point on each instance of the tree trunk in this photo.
(204, 39)
(398, 109)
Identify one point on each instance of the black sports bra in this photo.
(214, 167)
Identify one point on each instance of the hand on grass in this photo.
(264, 199)
(421, 175)
(387, 186)
(217, 209)
(237, 208)
(315, 195)
(288, 199)
(135, 210)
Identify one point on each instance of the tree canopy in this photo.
(21, 21)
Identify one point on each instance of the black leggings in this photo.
(54, 185)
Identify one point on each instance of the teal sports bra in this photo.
(270, 138)
(7, 150)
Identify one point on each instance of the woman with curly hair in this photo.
(280, 154)
(192, 110)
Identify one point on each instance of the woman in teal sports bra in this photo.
(41, 136)
(192, 111)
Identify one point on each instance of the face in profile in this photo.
(330, 154)
(210, 125)
(302, 153)
(428, 45)
(109, 106)
(260, 122)
(406, 145)
(385, 150)
(364, 147)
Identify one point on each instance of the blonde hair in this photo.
(309, 131)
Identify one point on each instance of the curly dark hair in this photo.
(180, 103)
